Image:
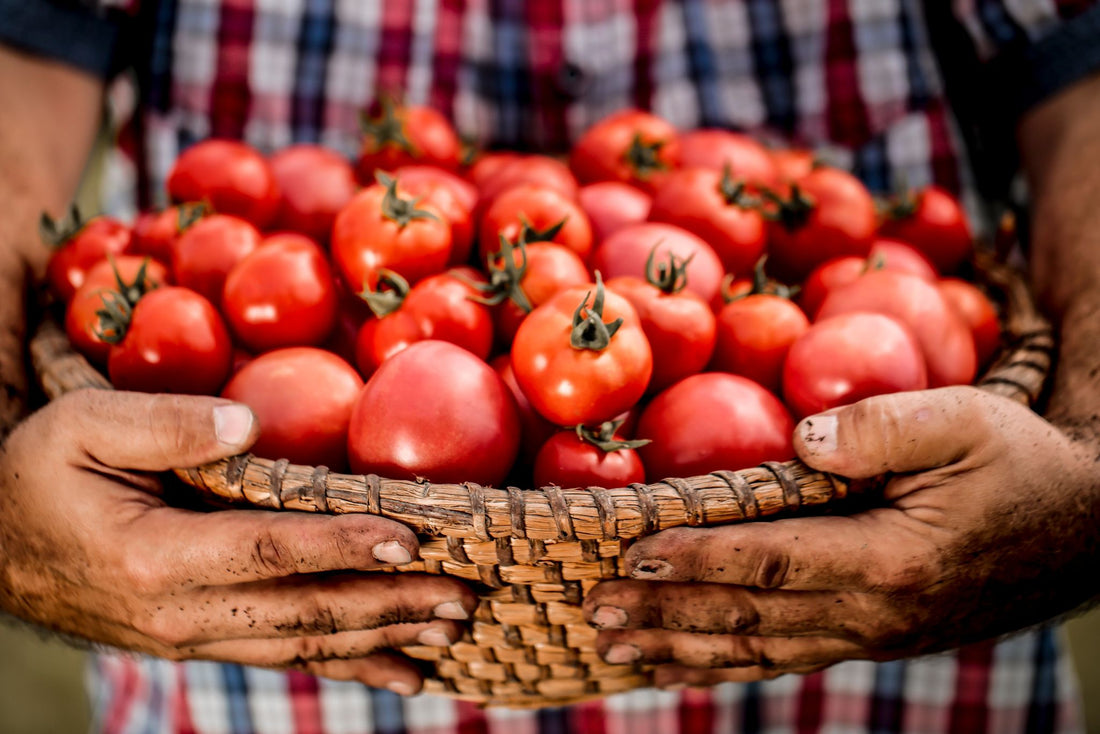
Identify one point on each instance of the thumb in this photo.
(154, 432)
(900, 432)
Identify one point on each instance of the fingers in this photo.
(674, 677)
(380, 670)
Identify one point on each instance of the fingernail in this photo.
(232, 424)
(450, 610)
(607, 617)
(433, 637)
(818, 433)
(651, 569)
(401, 688)
(391, 552)
(621, 654)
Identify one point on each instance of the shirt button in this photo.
(573, 81)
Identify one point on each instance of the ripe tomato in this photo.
(711, 205)
(748, 160)
(582, 358)
(314, 184)
(438, 412)
(845, 358)
(792, 164)
(155, 232)
(404, 135)
(80, 246)
(884, 255)
(302, 398)
(627, 251)
(535, 214)
(587, 458)
(533, 169)
(754, 334)
(943, 336)
(978, 312)
(175, 342)
(232, 176)
(611, 205)
(415, 175)
(206, 252)
(488, 166)
(829, 213)
(710, 422)
(444, 195)
(887, 254)
(534, 429)
(935, 223)
(281, 295)
(631, 146)
(384, 228)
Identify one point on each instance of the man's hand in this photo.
(990, 523)
(89, 548)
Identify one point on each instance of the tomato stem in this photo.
(671, 276)
(386, 129)
(388, 294)
(604, 438)
(589, 330)
(644, 158)
(191, 212)
(56, 232)
(793, 211)
(505, 275)
(401, 211)
(529, 234)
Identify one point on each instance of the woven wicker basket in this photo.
(534, 554)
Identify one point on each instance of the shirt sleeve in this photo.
(81, 34)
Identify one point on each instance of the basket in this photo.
(533, 554)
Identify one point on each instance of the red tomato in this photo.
(314, 184)
(568, 460)
(106, 282)
(175, 342)
(413, 176)
(382, 228)
(828, 214)
(627, 251)
(302, 398)
(404, 135)
(887, 254)
(845, 358)
(155, 232)
(754, 334)
(792, 164)
(438, 412)
(709, 204)
(206, 252)
(611, 205)
(82, 248)
(978, 312)
(711, 422)
(281, 295)
(488, 166)
(232, 176)
(574, 365)
(748, 160)
(943, 336)
(442, 195)
(542, 170)
(631, 146)
(537, 214)
(381, 338)
(884, 255)
(527, 278)
(534, 429)
(934, 222)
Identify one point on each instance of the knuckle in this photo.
(143, 576)
(312, 649)
(166, 631)
(770, 569)
(271, 553)
(169, 426)
(909, 574)
(316, 616)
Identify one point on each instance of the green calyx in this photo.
(387, 128)
(400, 211)
(529, 234)
(644, 158)
(505, 275)
(604, 438)
(388, 293)
(733, 191)
(589, 330)
(191, 212)
(56, 232)
(670, 276)
(791, 212)
(118, 304)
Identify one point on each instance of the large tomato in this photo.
(281, 295)
(582, 357)
(415, 175)
(978, 312)
(845, 358)
(438, 412)
(403, 135)
(428, 184)
(155, 232)
(710, 422)
(534, 429)
(533, 169)
(535, 214)
(627, 251)
(611, 205)
(748, 160)
(314, 185)
(631, 146)
(207, 250)
(884, 255)
(302, 398)
(232, 176)
(589, 458)
(754, 334)
(80, 246)
(934, 222)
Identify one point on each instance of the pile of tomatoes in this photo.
(661, 303)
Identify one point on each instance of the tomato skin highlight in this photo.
(438, 412)
(231, 175)
(567, 461)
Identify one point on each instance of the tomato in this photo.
(127, 277)
(314, 184)
(232, 176)
(748, 160)
(175, 342)
(631, 146)
(587, 458)
(206, 252)
(384, 228)
(935, 223)
(887, 254)
(434, 411)
(845, 358)
(611, 205)
(381, 338)
(829, 213)
(302, 398)
(155, 232)
(537, 214)
(678, 324)
(943, 336)
(404, 135)
(754, 334)
(542, 170)
(792, 164)
(534, 429)
(80, 246)
(627, 251)
(978, 312)
(884, 255)
(711, 205)
(582, 358)
(710, 422)
(444, 196)
(413, 176)
(281, 295)
(488, 166)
